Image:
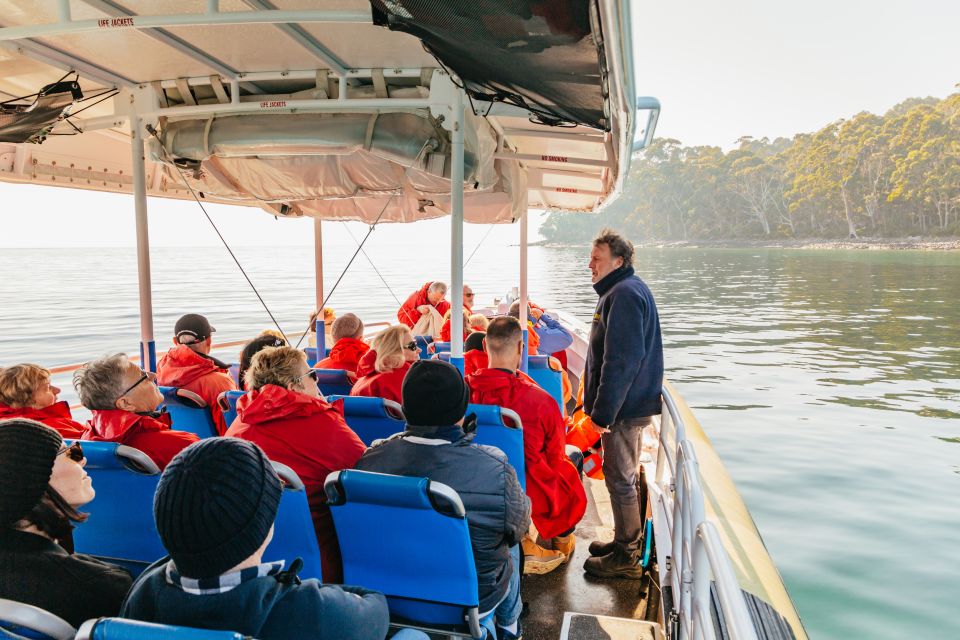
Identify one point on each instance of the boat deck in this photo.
(569, 588)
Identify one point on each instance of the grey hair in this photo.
(100, 382)
(438, 286)
(619, 246)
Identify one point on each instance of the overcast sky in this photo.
(721, 70)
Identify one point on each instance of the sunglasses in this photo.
(74, 452)
(411, 346)
(468, 295)
(145, 376)
(312, 374)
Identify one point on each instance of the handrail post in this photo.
(524, 231)
(456, 233)
(319, 321)
(148, 348)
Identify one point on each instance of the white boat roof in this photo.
(255, 89)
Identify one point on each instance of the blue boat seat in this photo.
(121, 629)
(441, 347)
(334, 382)
(19, 620)
(424, 343)
(443, 355)
(228, 404)
(120, 529)
(188, 411)
(293, 532)
(427, 590)
(371, 418)
(501, 428)
(312, 358)
(538, 368)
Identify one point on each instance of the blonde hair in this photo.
(479, 322)
(275, 365)
(466, 319)
(389, 347)
(19, 382)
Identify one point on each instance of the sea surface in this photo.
(829, 381)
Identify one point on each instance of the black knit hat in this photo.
(434, 394)
(215, 504)
(28, 450)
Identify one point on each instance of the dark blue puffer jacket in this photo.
(623, 376)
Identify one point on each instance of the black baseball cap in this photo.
(191, 328)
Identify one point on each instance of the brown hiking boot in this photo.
(617, 564)
(538, 560)
(598, 548)
(565, 545)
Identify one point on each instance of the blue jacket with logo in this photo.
(623, 376)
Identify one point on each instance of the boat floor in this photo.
(569, 588)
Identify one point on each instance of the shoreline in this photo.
(876, 244)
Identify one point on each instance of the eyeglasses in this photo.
(145, 376)
(468, 295)
(312, 374)
(74, 452)
(411, 346)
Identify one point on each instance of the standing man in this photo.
(623, 379)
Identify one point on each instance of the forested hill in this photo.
(882, 176)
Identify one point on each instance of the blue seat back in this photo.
(441, 347)
(424, 343)
(19, 621)
(120, 528)
(443, 355)
(501, 428)
(188, 411)
(422, 586)
(371, 418)
(293, 532)
(334, 382)
(312, 358)
(228, 404)
(121, 629)
(538, 368)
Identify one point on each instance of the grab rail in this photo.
(697, 552)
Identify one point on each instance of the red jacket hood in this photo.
(271, 402)
(56, 416)
(473, 360)
(181, 366)
(114, 424)
(346, 354)
(493, 383)
(366, 364)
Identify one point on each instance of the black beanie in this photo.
(28, 450)
(434, 394)
(215, 504)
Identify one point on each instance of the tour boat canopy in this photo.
(336, 110)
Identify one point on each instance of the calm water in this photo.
(828, 381)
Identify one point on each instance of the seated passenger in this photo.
(190, 366)
(215, 509)
(43, 486)
(446, 332)
(329, 317)
(395, 350)
(286, 416)
(428, 299)
(437, 444)
(348, 346)
(556, 493)
(474, 357)
(478, 322)
(26, 392)
(252, 348)
(468, 298)
(124, 400)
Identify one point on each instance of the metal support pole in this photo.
(318, 270)
(148, 348)
(523, 291)
(63, 10)
(456, 235)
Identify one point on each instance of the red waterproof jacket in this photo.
(408, 314)
(309, 436)
(367, 363)
(183, 368)
(382, 385)
(56, 416)
(149, 434)
(345, 354)
(474, 360)
(556, 493)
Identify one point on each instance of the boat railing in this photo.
(698, 563)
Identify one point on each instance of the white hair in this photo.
(100, 382)
(438, 286)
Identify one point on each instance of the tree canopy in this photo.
(887, 176)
